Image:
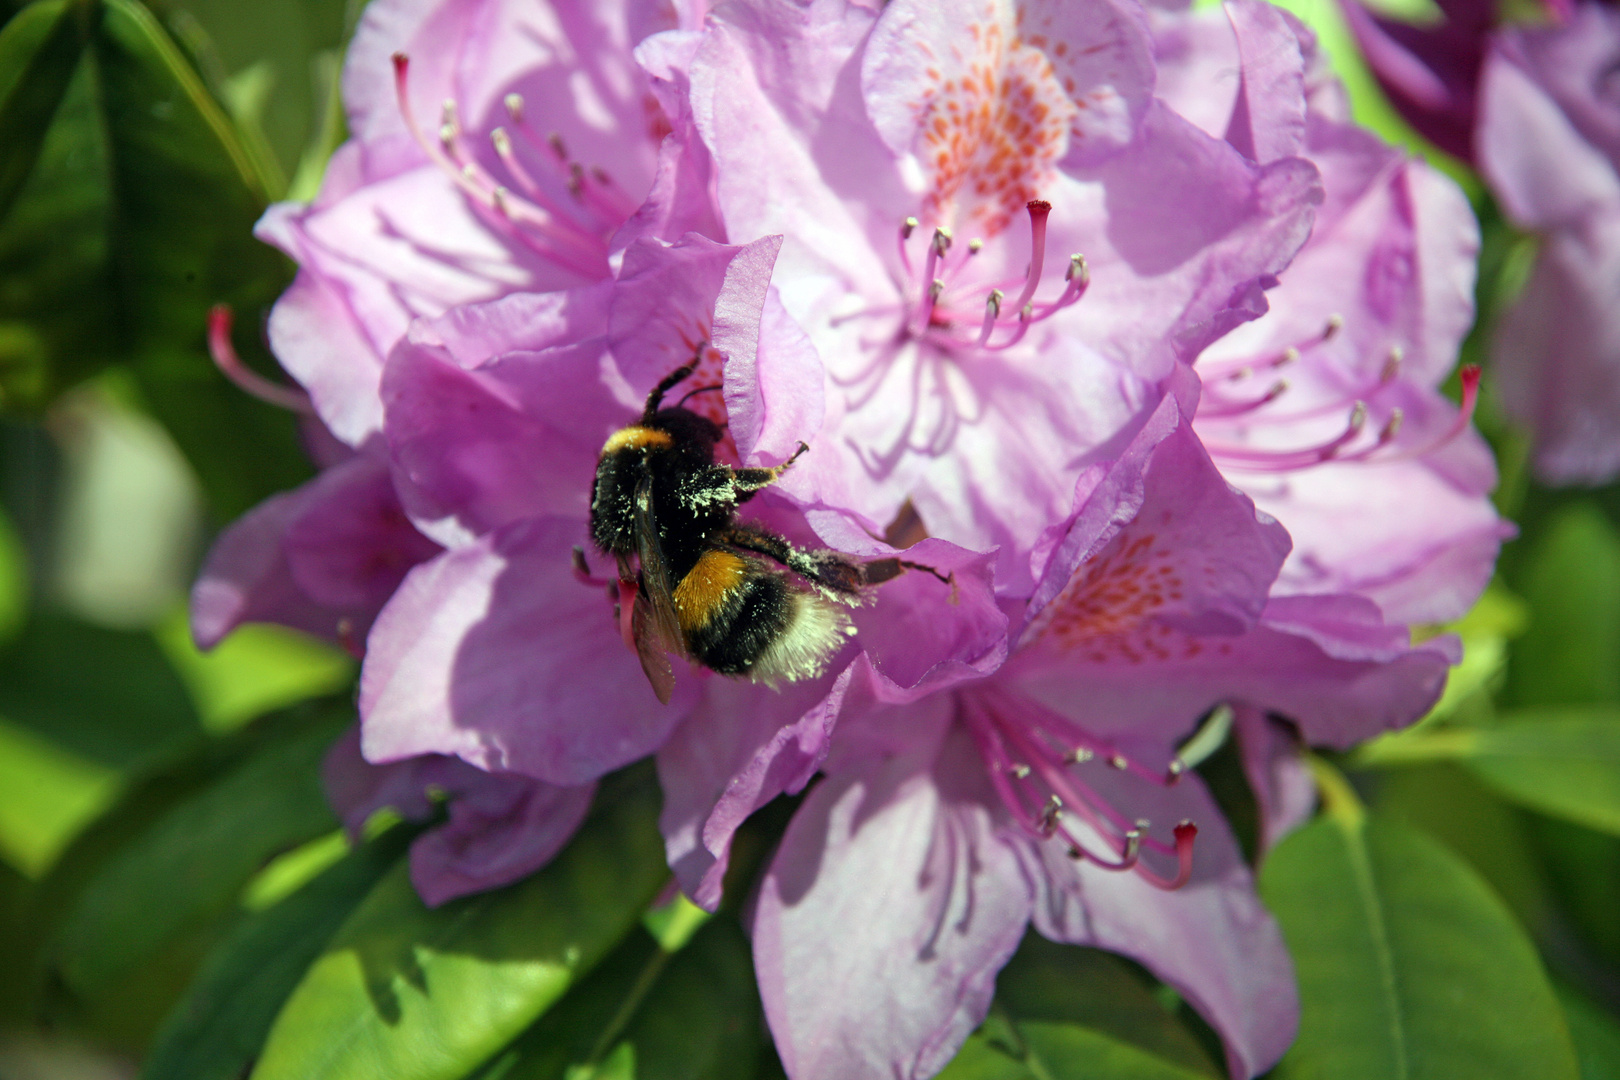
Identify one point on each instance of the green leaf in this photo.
(217, 1029)
(282, 44)
(983, 1058)
(1596, 1034)
(1409, 967)
(1570, 653)
(109, 695)
(702, 1019)
(136, 217)
(39, 50)
(408, 993)
(257, 668)
(1049, 982)
(1563, 762)
(128, 914)
(1444, 800)
(1055, 1051)
(691, 1014)
(47, 794)
(1071, 1052)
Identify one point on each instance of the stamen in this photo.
(1335, 323)
(975, 246)
(992, 312)
(1392, 365)
(567, 243)
(1039, 211)
(245, 378)
(1469, 373)
(1185, 832)
(514, 107)
(907, 227)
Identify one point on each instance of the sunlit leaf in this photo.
(218, 1028)
(1566, 764)
(257, 668)
(47, 793)
(140, 897)
(407, 993)
(1444, 800)
(1408, 965)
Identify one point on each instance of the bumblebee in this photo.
(735, 597)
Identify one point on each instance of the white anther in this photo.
(514, 107)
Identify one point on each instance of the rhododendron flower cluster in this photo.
(1026, 293)
(1532, 105)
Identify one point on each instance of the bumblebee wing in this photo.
(652, 652)
(657, 630)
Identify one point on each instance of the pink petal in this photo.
(497, 654)
(882, 922)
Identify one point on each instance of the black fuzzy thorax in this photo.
(693, 498)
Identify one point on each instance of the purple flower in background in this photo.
(1032, 777)
(1549, 145)
(497, 146)
(936, 170)
(1325, 410)
(1431, 72)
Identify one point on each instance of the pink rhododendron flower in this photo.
(496, 146)
(1036, 780)
(1549, 144)
(503, 651)
(501, 827)
(936, 170)
(1325, 410)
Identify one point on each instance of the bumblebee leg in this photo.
(668, 382)
(747, 482)
(835, 574)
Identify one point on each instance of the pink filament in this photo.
(230, 364)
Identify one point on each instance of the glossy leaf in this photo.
(1049, 982)
(689, 1015)
(47, 793)
(218, 1028)
(108, 695)
(142, 895)
(1570, 653)
(1055, 1051)
(407, 993)
(1596, 1034)
(1408, 965)
(1448, 803)
(1566, 764)
(136, 217)
(39, 50)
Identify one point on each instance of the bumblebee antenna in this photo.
(668, 382)
(699, 390)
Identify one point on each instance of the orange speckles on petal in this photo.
(994, 133)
